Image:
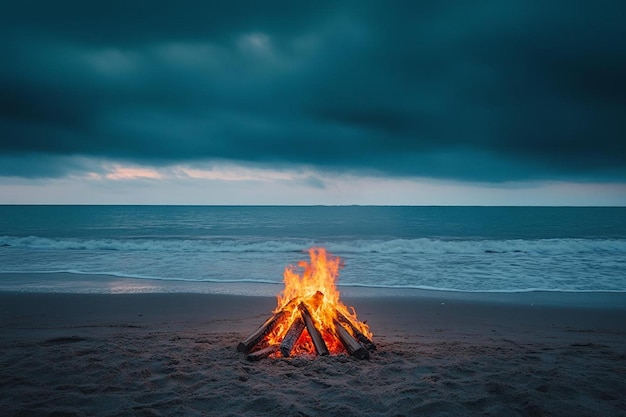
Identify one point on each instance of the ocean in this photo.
(467, 249)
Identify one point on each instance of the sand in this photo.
(438, 355)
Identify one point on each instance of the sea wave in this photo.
(200, 285)
(199, 245)
(392, 246)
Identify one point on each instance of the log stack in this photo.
(342, 328)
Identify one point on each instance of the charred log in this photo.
(352, 345)
(290, 339)
(251, 341)
(356, 332)
(263, 353)
(269, 325)
(316, 336)
(315, 300)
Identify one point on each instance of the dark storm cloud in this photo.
(476, 90)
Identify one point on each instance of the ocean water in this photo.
(471, 249)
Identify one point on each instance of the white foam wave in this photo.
(199, 245)
(41, 277)
(443, 246)
(392, 246)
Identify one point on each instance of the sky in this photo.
(477, 102)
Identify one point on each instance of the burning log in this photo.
(269, 325)
(316, 336)
(263, 353)
(356, 332)
(315, 300)
(251, 341)
(290, 339)
(352, 345)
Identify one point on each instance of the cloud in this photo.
(477, 91)
(117, 172)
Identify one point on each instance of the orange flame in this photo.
(317, 276)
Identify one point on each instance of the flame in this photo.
(314, 287)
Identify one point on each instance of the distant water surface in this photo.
(502, 249)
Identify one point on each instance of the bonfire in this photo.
(309, 318)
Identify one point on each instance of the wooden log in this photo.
(369, 345)
(316, 336)
(263, 353)
(315, 300)
(251, 341)
(290, 339)
(352, 345)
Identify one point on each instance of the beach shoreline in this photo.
(438, 354)
(79, 283)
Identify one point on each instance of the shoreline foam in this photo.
(72, 283)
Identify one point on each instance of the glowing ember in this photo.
(309, 317)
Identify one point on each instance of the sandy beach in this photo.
(438, 355)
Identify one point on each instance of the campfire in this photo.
(310, 319)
